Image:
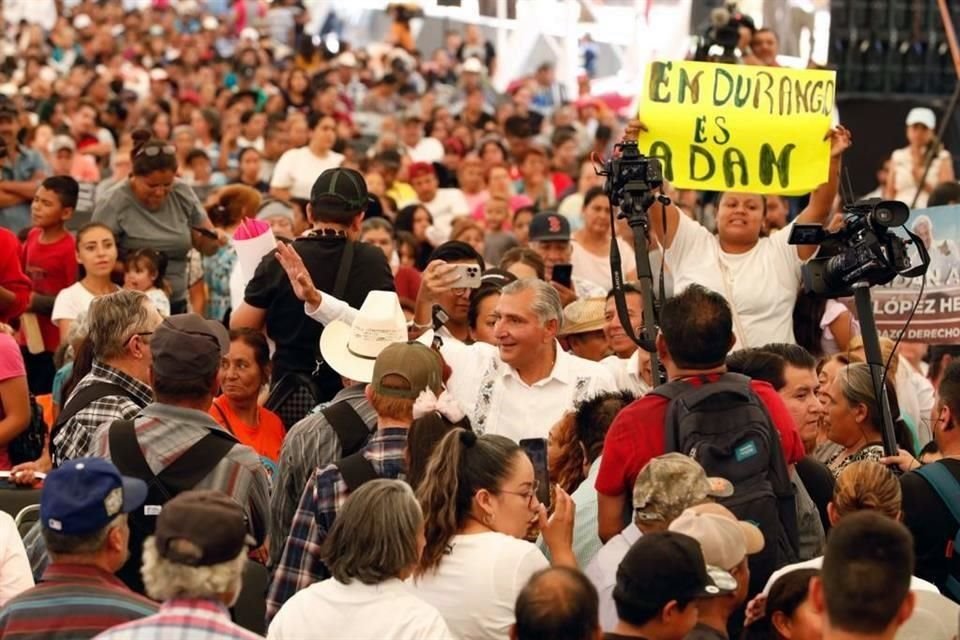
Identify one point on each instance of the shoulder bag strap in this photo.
(125, 451)
(197, 462)
(87, 396)
(348, 425)
(343, 271)
(356, 470)
(944, 484)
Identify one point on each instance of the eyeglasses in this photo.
(155, 150)
(141, 334)
(530, 495)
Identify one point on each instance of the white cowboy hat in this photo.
(351, 350)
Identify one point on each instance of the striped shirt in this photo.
(71, 601)
(73, 440)
(300, 564)
(310, 444)
(183, 619)
(165, 432)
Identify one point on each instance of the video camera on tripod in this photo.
(632, 182)
(863, 251)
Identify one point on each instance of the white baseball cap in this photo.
(922, 115)
(725, 541)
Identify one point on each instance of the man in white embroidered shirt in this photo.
(521, 387)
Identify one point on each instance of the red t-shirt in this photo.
(407, 283)
(51, 268)
(636, 436)
(12, 276)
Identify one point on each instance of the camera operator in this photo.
(759, 277)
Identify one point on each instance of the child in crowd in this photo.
(97, 256)
(498, 239)
(49, 259)
(143, 271)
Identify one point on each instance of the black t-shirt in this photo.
(297, 336)
(931, 523)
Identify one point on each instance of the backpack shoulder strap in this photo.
(945, 484)
(125, 451)
(197, 462)
(87, 396)
(347, 424)
(356, 470)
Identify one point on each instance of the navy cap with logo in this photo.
(340, 190)
(84, 495)
(549, 226)
(665, 566)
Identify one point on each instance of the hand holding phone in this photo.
(536, 450)
(206, 233)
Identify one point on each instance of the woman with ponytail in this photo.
(153, 209)
(479, 499)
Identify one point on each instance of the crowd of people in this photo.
(419, 414)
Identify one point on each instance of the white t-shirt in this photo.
(15, 575)
(297, 170)
(626, 373)
(763, 282)
(475, 586)
(596, 269)
(71, 302)
(445, 206)
(831, 312)
(390, 609)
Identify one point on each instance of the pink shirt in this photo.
(11, 366)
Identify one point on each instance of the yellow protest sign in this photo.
(721, 127)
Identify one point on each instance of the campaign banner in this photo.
(721, 127)
(937, 319)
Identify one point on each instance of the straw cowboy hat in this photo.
(352, 349)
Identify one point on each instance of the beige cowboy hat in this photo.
(352, 349)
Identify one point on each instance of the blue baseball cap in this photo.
(85, 494)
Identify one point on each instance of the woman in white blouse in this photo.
(479, 500)
(591, 244)
(373, 546)
(907, 165)
(759, 277)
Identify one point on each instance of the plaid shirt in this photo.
(71, 601)
(310, 444)
(300, 564)
(74, 439)
(184, 619)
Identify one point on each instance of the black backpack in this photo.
(725, 427)
(80, 401)
(27, 446)
(182, 475)
(350, 428)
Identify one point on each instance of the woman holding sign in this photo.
(759, 277)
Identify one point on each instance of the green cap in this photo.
(418, 365)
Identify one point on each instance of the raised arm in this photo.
(821, 200)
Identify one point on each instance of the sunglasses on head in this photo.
(155, 150)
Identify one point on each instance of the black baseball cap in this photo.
(665, 566)
(549, 226)
(340, 190)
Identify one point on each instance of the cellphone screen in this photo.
(563, 274)
(536, 449)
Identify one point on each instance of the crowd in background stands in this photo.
(348, 427)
